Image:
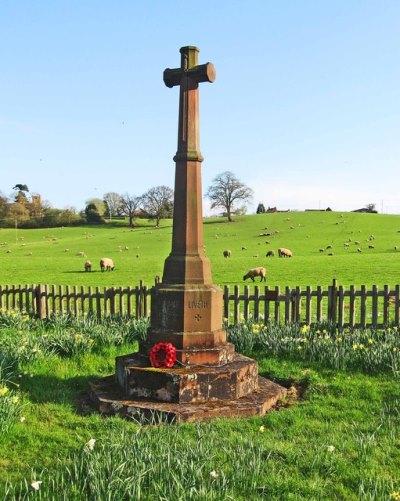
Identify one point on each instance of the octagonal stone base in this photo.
(109, 399)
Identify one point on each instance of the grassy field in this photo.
(339, 441)
(54, 256)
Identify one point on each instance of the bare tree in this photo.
(128, 207)
(226, 191)
(158, 203)
(112, 202)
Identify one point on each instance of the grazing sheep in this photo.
(227, 253)
(330, 254)
(346, 244)
(282, 252)
(106, 264)
(356, 242)
(371, 246)
(88, 266)
(270, 253)
(322, 249)
(256, 256)
(329, 247)
(66, 250)
(359, 249)
(256, 272)
(244, 248)
(395, 247)
(81, 254)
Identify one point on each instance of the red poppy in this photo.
(163, 355)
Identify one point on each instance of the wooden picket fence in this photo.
(345, 308)
(336, 305)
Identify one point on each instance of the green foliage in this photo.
(338, 442)
(10, 398)
(26, 339)
(370, 350)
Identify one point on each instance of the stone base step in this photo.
(108, 398)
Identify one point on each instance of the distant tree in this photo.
(226, 191)
(112, 202)
(21, 187)
(128, 207)
(158, 203)
(92, 215)
(371, 208)
(17, 214)
(99, 203)
(260, 209)
(4, 206)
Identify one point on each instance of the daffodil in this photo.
(15, 399)
(261, 429)
(214, 474)
(36, 484)
(331, 448)
(3, 391)
(90, 444)
(22, 419)
(305, 329)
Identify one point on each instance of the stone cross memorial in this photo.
(208, 379)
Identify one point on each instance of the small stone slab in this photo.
(108, 399)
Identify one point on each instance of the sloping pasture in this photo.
(362, 248)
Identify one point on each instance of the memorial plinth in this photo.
(208, 379)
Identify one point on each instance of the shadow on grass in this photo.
(53, 389)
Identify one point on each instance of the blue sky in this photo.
(305, 108)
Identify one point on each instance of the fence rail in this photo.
(345, 308)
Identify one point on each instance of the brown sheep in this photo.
(106, 264)
(88, 266)
(282, 252)
(270, 253)
(227, 253)
(256, 272)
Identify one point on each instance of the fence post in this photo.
(40, 301)
(226, 303)
(332, 302)
(236, 305)
(246, 302)
(256, 311)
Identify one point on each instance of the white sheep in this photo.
(256, 272)
(88, 266)
(227, 253)
(282, 252)
(106, 264)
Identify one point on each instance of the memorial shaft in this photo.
(187, 262)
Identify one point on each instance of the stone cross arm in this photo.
(189, 68)
(201, 73)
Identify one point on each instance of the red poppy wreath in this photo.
(163, 355)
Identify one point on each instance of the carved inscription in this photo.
(198, 304)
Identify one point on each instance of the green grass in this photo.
(41, 256)
(340, 441)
